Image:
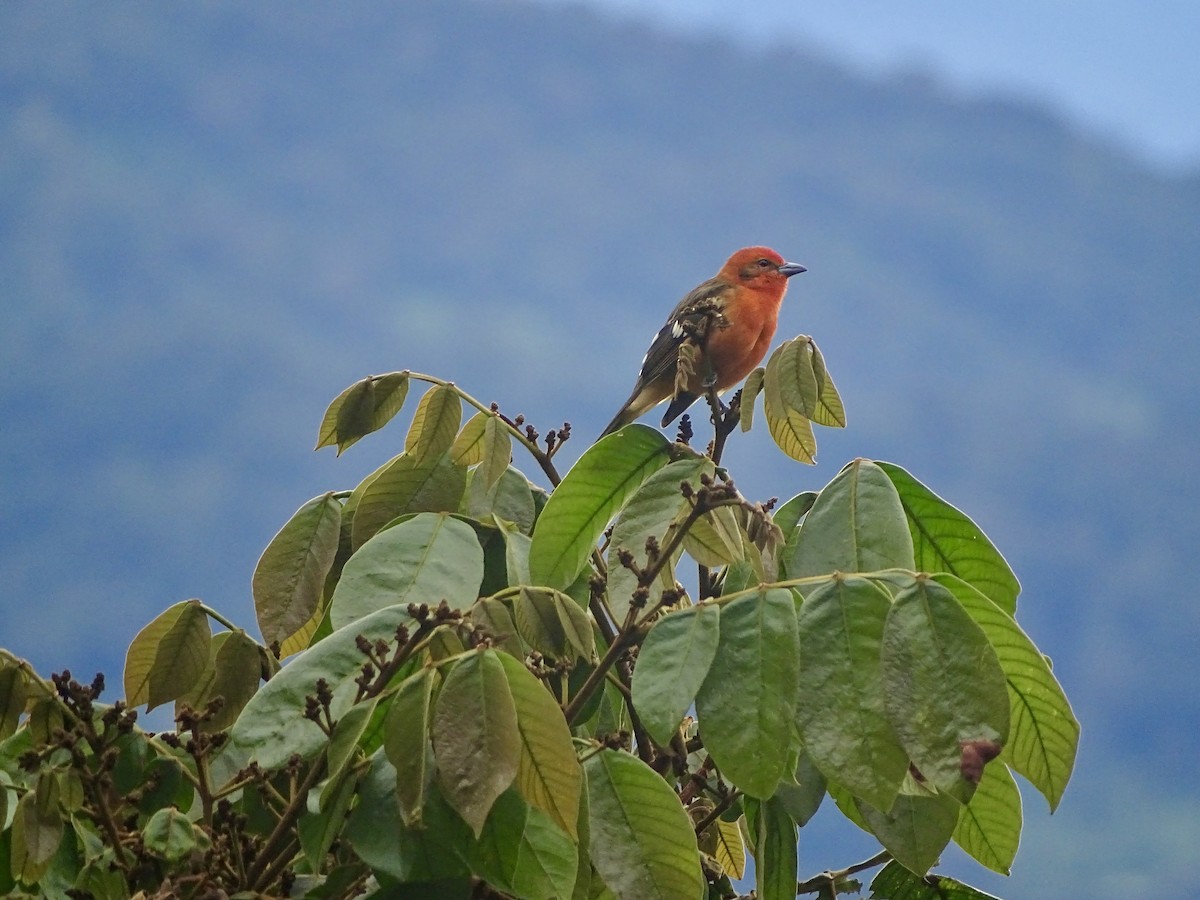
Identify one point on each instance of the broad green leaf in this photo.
(946, 540)
(1043, 733)
(168, 655)
(750, 391)
(408, 484)
(493, 617)
(747, 704)
(363, 407)
(380, 838)
(476, 740)
(790, 396)
(233, 671)
(989, 827)
(894, 882)
(522, 852)
(407, 744)
(649, 513)
(169, 835)
(348, 733)
(13, 694)
(856, 525)
(291, 572)
(589, 496)
(671, 667)
(497, 452)
(549, 776)
(916, 830)
(554, 624)
(36, 832)
(840, 713)
(802, 795)
(511, 500)
(715, 538)
(322, 822)
(730, 851)
(516, 553)
(434, 425)
(467, 449)
(775, 856)
(829, 410)
(272, 726)
(787, 517)
(427, 559)
(642, 842)
(944, 683)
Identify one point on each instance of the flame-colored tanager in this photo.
(729, 320)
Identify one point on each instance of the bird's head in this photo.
(759, 268)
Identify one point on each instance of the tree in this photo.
(493, 690)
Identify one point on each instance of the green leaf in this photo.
(549, 776)
(642, 843)
(363, 407)
(379, 838)
(894, 882)
(841, 714)
(750, 391)
(944, 683)
(494, 618)
(434, 425)
(167, 656)
(730, 851)
(652, 509)
(916, 830)
(989, 827)
(775, 852)
(802, 795)
(233, 672)
(714, 539)
(1043, 735)
(408, 484)
(591, 493)
(789, 427)
(510, 500)
(856, 525)
(671, 666)
(427, 559)
(946, 540)
(467, 449)
(322, 823)
(348, 732)
(272, 726)
(291, 572)
(554, 624)
(13, 694)
(407, 743)
(829, 410)
(747, 704)
(523, 853)
(497, 452)
(169, 835)
(37, 831)
(476, 740)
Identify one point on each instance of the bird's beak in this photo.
(787, 270)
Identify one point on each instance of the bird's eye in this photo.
(765, 263)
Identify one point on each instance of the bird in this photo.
(728, 320)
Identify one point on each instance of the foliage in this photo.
(492, 690)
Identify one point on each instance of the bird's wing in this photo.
(697, 310)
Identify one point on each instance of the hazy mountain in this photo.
(215, 217)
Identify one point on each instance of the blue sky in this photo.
(1123, 69)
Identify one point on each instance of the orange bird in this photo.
(730, 319)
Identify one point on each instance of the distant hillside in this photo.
(214, 217)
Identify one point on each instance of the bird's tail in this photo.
(620, 420)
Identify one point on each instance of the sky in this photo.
(1128, 71)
